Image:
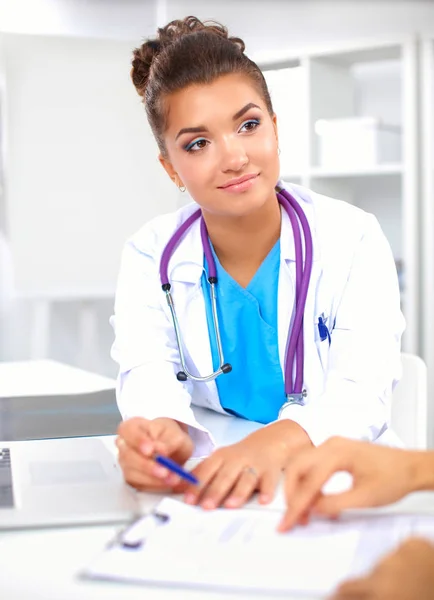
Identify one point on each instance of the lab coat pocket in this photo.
(322, 339)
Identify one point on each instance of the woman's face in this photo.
(222, 145)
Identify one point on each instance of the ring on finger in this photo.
(251, 471)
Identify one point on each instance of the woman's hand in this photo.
(138, 439)
(233, 473)
(407, 574)
(381, 475)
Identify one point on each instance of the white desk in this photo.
(44, 564)
(48, 377)
(30, 558)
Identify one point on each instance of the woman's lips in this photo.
(242, 184)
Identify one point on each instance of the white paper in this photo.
(240, 549)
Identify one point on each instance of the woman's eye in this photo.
(249, 125)
(196, 145)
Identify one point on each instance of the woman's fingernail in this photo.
(209, 504)
(190, 499)
(264, 498)
(232, 502)
(160, 472)
(173, 479)
(146, 449)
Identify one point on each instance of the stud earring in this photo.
(181, 188)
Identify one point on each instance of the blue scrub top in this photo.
(254, 389)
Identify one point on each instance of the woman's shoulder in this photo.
(326, 204)
(329, 215)
(157, 232)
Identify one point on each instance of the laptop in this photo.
(56, 416)
(62, 482)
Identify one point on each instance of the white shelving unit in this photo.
(427, 210)
(373, 78)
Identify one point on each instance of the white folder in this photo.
(180, 545)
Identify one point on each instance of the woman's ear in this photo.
(276, 132)
(168, 167)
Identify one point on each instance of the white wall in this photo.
(82, 172)
(81, 176)
(114, 19)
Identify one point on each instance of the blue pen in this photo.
(175, 468)
(324, 333)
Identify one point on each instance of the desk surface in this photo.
(45, 564)
(46, 377)
(46, 568)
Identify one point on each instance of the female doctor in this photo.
(261, 299)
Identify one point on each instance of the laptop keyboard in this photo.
(6, 488)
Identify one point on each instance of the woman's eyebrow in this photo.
(202, 128)
(198, 129)
(244, 110)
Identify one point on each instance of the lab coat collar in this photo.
(186, 264)
(304, 198)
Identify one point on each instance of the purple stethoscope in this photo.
(294, 353)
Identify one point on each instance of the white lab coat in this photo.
(353, 283)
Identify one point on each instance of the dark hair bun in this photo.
(144, 57)
(177, 29)
(141, 64)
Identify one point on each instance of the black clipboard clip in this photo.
(135, 533)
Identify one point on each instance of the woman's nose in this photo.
(234, 155)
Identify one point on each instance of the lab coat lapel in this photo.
(285, 304)
(196, 333)
(313, 375)
(286, 290)
(286, 286)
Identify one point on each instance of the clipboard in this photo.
(240, 550)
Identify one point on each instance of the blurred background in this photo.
(353, 87)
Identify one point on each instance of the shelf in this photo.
(364, 55)
(67, 295)
(344, 54)
(327, 173)
(271, 63)
(382, 169)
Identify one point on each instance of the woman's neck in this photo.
(242, 243)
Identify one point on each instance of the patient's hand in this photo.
(407, 574)
(381, 475)
(138, 439)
